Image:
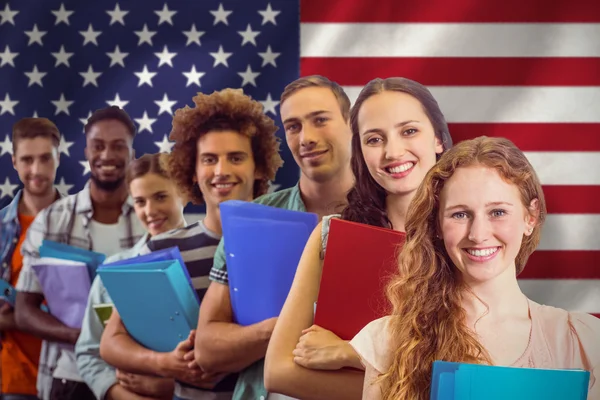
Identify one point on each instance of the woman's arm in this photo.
(282, 374)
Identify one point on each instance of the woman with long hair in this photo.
(398, 133)
(470, 229)
(158, 204)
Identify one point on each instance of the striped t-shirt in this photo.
(197, 246)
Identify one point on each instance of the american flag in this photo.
(526, 70)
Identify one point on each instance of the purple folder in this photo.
(66, 285)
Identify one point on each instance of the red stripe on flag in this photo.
(573, 200)
(450, 11)
(547, 264)
(465, 71)
(535, 136)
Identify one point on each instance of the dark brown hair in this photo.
(108, 113)
(228, 109)
(428, 322)
(319, 81)
(366, 200)
(30, 128)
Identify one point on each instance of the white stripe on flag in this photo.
(448, 40)
(566, 168)
(492, 104)
(569, 294)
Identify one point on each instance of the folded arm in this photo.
(223, 346)
(282, 373)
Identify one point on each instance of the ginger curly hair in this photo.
(228, 109)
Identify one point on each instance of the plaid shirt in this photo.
(67, 221)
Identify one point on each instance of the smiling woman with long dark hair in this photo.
(398, 133)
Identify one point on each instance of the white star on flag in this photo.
(269, 57)
(165, 57)
(164, 146)
(6, 146)
(63, 187)
(145, 35)
(249, 36)
(86, 167)
(62, 57)
(221, 15)
(269, 15)
(165, 15)
(7, 57)
(193, 77)
(35, 36)
(90, 36)
(165, 105)
(62, 105)
(85, 120)
(220, 57)
(249, 77)
(90, 77)
(145, 76)
(62, 15)
(193, 36)
(35, 76)
(117, 15)
(117, 102)
(63, 147)
(117, 57)
(7, 15)
(145, 123)
(269, 105)
(7, 189)
(7, 105)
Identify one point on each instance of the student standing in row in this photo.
(159, 207)
(315, 114)
(35, 158)
(398, 133)
(99, 218)
(225, 149)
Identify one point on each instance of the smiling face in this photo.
(109, 149)
(36, 161)
(157, 203)
(316, 133)
(483, 221)
(398, 141)
(225, 168)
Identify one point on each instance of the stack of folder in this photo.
(359, 261)
(263, 246)
(65, 274)
(155, 299)
(457, 381)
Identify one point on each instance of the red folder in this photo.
(359, 261)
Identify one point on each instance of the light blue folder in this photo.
(154, 300)
(64, 251)
(263, 246)
(456, 381)
(168, 254)
(9, 294)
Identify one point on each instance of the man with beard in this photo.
(98, 218)
(35, 158)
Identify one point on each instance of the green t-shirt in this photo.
(250, 384)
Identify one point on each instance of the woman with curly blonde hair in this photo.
(472, 225)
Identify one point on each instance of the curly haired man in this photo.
(225, 148)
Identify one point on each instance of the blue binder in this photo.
(67, 252)
(9, 294)
(456, 381)
(155, 302)
(263, 246)
(168, 254)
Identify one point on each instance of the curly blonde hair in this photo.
(228, 109)
(428, 321)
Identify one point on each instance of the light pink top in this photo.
(559, 340)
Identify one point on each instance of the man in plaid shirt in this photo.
(99, 218)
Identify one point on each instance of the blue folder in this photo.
(263, 246)
(154, 300)
(9, 294)
(457, 381)
(168, 254)
(64, 251)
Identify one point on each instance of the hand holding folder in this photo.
(263, 246)
(359, 260)
(66, 285)
(457, 381)
(154, 300)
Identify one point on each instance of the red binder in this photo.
(359, 261)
